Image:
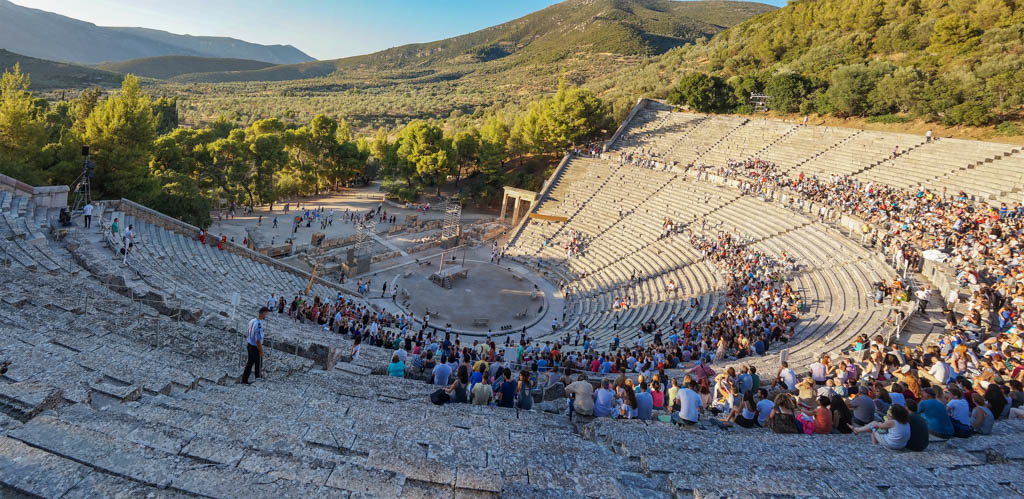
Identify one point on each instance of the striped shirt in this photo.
(255, 332)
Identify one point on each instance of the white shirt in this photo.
(789, 378)
(689, 404)
(87, 210)
(940, 371)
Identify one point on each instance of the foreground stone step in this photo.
(23, 401)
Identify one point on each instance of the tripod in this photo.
(83, 191)
(83, 184)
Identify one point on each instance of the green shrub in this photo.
(1009, 128)
(888, 118)
(968, 113)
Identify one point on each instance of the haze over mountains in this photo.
(46, 35)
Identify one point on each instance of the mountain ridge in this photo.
(75, 41)
(624, 27)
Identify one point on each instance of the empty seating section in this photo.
(1000, 179)
(660, 133)
(858, 152)
(193, 278)
(802, 144)
(744, 142)
(923, 164)
(702, 139)
(22, 240)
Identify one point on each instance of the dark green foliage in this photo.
(786, 91)
(702, 93)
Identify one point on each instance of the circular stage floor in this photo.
(489, 292)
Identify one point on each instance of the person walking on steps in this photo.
(254, 348)
(87, 214)
(128, 240)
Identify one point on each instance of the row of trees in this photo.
(868, 89)
(141, 154)
(425, 153)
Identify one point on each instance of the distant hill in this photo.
(573, 27)
(48, 74)
(169, 66)
(46, 35)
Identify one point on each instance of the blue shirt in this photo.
(603, 403)
(542, 365)
(441, 374)
(508, 394)
(934, 413)
(255, 335)
(644, 405)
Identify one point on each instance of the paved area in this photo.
(360, 200)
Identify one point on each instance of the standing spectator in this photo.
(128, 240)
(254, 347)
(87, 214)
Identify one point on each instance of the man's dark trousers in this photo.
(254, 360)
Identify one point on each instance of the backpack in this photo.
(439, 397)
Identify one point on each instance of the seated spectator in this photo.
(842, 418)
(506, 394)
(935, 414)
(581, 394)
(604, 398)
(657, 395)
(396, 368)
(764, 406)
(482, 393)
(627, 406)
(894, 432)
(918, 429)
(441, 373)
(783, 416)
(459, 387)
(744, 413)
(959, 413)
(524, 391)
(690, 405)
(982, 418)
(644, 403)
(862, 405)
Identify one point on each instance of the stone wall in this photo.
(640, 104)
(158, 219)
(50, 196)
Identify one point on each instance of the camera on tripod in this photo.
(88, 167)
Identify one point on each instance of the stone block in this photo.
(24, 400)
(123, 393)
(554, 392)
(36, 472)
(483, 479)
(366, 480)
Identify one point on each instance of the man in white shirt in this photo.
(87, 214)
(938, 373)
(272, 302)
(689, 406)
(786, 377)
(819, 373)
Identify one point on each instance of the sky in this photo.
(324, 29)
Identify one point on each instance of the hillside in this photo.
(169, 66)
(957, 63)
(573, 27)
(48, 74)
(46, 35)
